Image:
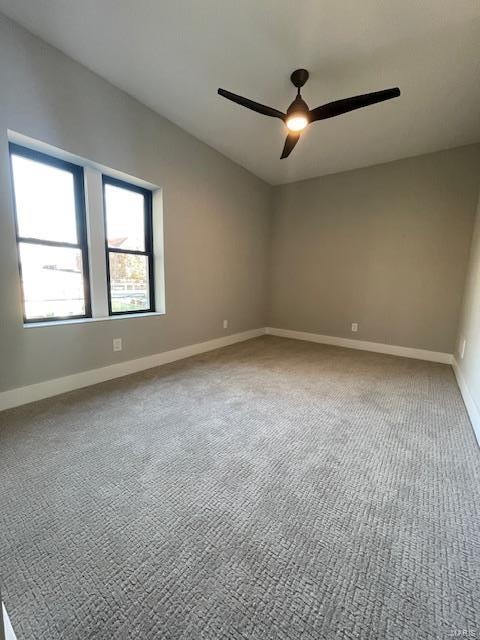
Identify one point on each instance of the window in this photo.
(85, 240)
(129, 247)
(51, 236)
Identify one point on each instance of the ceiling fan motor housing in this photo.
(298, 106)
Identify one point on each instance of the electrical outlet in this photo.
(354, 327)
(463, 344)
(117, 344)
(225, 324)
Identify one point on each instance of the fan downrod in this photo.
(299, 77)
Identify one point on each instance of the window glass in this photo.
(44, 201)
(51, 235)
(128, 222)
(129, 282)
(52, 281)
(125, 213)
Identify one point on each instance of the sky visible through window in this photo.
(125, 218)
(45, 202)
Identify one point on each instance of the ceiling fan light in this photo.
(297, 122)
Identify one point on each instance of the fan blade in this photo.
(290, 142)
(338, 107)
(250, 104)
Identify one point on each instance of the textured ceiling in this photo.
(174, 55)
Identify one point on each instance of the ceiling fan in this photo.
(298, 114)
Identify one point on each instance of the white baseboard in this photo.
(470, 404)
(40, 390)
(48, 388)
(391, 349)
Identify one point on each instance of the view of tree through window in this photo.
(129, 282)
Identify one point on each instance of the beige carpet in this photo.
(271, 490)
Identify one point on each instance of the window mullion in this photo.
(96, 242)
(134, 252)
(49, 243)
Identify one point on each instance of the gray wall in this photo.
(470, 321)
(216, 216)
(386, 246)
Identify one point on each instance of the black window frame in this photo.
(81, 225)
(148, 230)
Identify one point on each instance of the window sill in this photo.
(56, 323)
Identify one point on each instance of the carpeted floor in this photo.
(273, 490)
